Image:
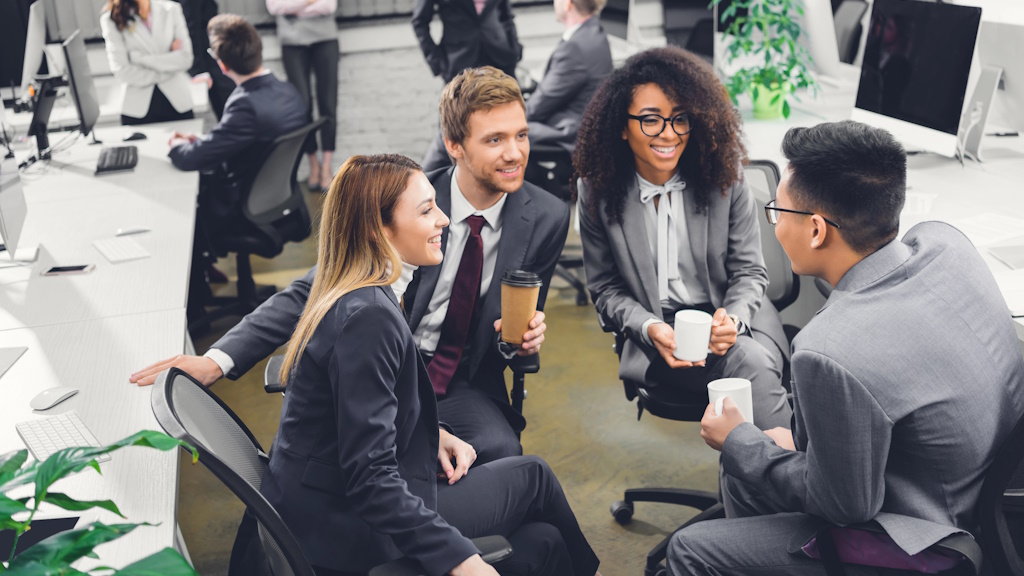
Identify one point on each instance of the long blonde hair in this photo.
(353, 249)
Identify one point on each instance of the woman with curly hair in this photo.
(669, 224)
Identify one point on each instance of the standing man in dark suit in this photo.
(580, 62)
(198, 14)
(476, 33)
(502, 221)
(260, 109)
(891, 424)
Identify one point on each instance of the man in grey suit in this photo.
(580, 62)
(905, 384)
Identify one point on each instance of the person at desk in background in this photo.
(668, 223)
(580, 62)
(309, 44)
(476, 33)
(891, 424)
(499, 223)
(150, 52)
(198, 14)
(260, 109)
(365, 492)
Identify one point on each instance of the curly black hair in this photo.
(712, 156)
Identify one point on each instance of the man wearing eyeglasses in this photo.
(905, 384)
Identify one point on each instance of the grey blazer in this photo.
(726, 245)
(905, 385)
(574, 72)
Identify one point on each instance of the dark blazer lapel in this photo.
(697, 230)
(634, 229)
(428, 276)
(517, 222)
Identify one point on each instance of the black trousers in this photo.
(476, 418)
(520, 499)
(320, 59)
(160, 110)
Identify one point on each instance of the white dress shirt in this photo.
(429, 330)
(567, 35)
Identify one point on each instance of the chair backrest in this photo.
(783, 285)
(550, 167)
(848, 28)
(1001, 507)
(188, 411)
(274, 192)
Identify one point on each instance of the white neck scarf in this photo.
(668, 244)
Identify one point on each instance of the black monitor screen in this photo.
(13, 28)
(917, 59)
(615, 18)
(80, 80)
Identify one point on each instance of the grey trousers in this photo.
(755, 539)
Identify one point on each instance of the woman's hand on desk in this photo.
(450, 448)
(474, 566)
(199, 367)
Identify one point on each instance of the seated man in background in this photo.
(905, 384)
(260, 109)
(498, 223)
(580, 62)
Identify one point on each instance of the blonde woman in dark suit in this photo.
(150, 52)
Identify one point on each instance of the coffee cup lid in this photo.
(520, 278)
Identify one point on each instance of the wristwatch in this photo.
(741, 328)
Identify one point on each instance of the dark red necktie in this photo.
(461, 306)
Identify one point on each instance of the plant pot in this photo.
(770, 102)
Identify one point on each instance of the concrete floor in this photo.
(579, 421)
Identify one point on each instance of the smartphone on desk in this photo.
(62, 270)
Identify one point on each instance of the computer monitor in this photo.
(914, 77)
(819, 38)
(83, 92)
(615, 18)
(13, 208)
(35, 41)
(1002, 46)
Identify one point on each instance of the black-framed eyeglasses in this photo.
(771, 212)
(212, 53)
(654, 124)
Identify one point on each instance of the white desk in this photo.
(959, 191)
(91, 331)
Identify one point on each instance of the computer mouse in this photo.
(135, 136)
(51, 397)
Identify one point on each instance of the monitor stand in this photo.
(978, 110)
(42, 105)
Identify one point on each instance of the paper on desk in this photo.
(989, 228)
(1011, 284)
(120, 249)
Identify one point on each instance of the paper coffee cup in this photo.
(693, 334)
(736, 388)
(519, 292)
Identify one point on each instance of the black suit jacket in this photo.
(256, 113)
(353, 470)
(534, 227)
(575, 70)
(469, 39)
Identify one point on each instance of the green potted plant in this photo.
(764, 40)
(55, 555)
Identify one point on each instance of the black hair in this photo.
(851, 173)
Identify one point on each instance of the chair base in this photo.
(707, 502)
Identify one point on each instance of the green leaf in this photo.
(10, 463)
(785, 109)
(68, 503)
(40, 569)
(166, 562)
(67, 547)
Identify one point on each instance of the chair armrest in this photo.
(272, 375)
(492, 549)
(525, 364)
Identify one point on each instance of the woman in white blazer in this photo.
(150, 52)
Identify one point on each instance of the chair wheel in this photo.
(622, 511)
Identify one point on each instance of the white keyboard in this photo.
(44, 436)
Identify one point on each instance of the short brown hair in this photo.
(589, 7)
(236, 43)
(472, 90)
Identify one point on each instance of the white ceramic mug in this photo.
(693, 334)
(736, 388)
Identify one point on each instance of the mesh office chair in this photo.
(672, 404)
(188, 411)
(274, 212)
(848, 28)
